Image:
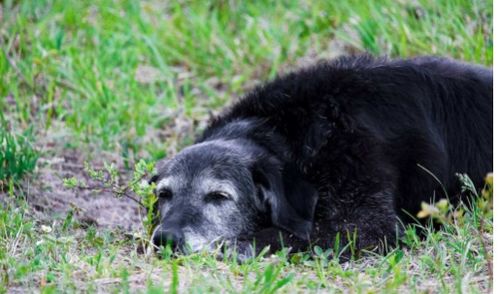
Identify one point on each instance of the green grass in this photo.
(63, 254)
(112, 70)
(17, 155)
(139, 79)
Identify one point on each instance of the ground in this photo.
(114, 82)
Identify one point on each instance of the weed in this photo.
(137, 189)
(18, 156)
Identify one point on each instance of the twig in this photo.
(127, 195)
(113, 190)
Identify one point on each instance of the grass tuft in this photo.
(18, 156)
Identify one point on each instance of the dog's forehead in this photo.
(171, 181)
(201, 163)
(213, 156)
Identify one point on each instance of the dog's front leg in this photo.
(271, 239)
(370, 223)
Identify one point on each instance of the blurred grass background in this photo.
(111, 72)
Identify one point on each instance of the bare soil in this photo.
(48, 196)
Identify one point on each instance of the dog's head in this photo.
(221, 189)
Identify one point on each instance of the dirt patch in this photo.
(49, 197)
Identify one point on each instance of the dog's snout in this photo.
(171, 237)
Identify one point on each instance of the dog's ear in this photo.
(290, 198)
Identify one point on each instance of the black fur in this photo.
(345, 139)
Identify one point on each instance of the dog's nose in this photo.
(171, 237)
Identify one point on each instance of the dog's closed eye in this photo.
(217, 197)
(165, 194)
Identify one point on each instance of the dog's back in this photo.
(420, 116)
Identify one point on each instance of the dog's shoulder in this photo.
(349, 78)
(298, 93)
(453, 69)
(357, 88)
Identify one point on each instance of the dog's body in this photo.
(349, 145)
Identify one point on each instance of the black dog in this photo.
(347, 146)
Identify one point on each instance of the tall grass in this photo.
(116, 71)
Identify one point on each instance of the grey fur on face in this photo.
(206, 194)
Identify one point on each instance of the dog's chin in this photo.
(195, 242)
(242, 250)
(200, 247)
